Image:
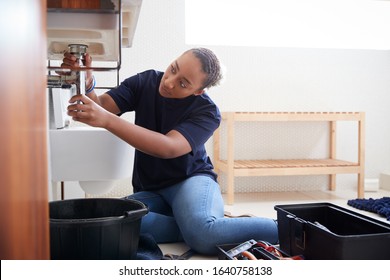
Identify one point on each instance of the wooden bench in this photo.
(263, 167)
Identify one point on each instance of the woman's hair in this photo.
(210, 65)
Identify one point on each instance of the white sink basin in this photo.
(88, 154)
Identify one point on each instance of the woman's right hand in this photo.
(71, 62)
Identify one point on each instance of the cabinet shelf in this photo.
(287, 167)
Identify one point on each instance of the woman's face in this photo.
(183, 77)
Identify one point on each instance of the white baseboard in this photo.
(371, 185)
(384, 181)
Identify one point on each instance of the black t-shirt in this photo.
(195, 117)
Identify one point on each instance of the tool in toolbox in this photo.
(254, 250)
(241, 248)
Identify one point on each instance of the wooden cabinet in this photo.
(75, 4)
(264, 167)
(24, 207)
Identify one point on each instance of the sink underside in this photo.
(88, 154)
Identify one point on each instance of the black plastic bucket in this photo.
(95, 228)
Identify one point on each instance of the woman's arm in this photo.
(101, 111)
(171, 145)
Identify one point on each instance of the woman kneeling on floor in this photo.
(173, 176)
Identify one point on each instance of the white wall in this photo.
(279, 79)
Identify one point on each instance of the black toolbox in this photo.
(324, 231)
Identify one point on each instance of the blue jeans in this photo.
(193, 211)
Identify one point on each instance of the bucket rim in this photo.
(125, 216)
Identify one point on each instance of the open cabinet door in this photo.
(24, 218)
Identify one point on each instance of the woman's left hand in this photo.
(85, 110)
